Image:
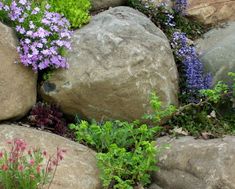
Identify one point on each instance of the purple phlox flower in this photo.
(6, 8)
(181, 6)
(23, 2)
(20, 29)
(36, 10)
(1, 5)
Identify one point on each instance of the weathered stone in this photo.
(194, 164)
(78, 170)
(117, 60)
(216, 49)
(154, 186)
(103, 4)
(211, 11)
(17, 83)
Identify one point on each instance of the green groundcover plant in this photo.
(23, 167)
(126, 151)
(76, 11)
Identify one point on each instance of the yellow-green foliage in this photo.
(76, 11)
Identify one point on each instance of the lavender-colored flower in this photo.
(40, 44)
(193, 68)
(181, 6)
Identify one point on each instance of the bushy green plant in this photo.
(101, 136)
(76, 11)
(126, 151)
(123, 168)
(159, 113)
(208, 115)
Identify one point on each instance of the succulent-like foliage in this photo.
(48, 116)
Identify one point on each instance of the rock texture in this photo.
(211, 11)
(17, 83)
(77, 171)
(103, 4)
(197, 164)
(216, 49)
(117, 60)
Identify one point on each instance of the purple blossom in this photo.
(193, 68)
(40, 44)
(180, 6)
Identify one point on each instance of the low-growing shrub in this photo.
(127, 152)
(76, 11)
(23, 167)
(47, 116)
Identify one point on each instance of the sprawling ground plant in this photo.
(43, 35)
(23, 167)
(126, 151)
(76, 11)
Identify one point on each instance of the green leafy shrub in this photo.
(76, 11)
(213, 114)
(126, 151)
(159, 114)
(122, 168)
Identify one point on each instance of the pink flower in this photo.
(1, 154)
(31, 162)
(44, 153)
(4, 167)
(38, 169)
(20, 167)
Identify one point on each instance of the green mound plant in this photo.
(76, 11)
(126, 151)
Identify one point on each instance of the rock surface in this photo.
(197, 164)
(216, 49)
(211, 11)
(117, 60)
(78, 170)
(103, 4)
(17, 83)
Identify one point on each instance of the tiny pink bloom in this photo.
(4, 167)
(1, 154)
(31, 162)
(20, 168)
(38, 169)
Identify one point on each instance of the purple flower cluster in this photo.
(180, 6)
(44, 35)
(193, 68)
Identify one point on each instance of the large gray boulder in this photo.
(103, 4)
(17, 83)
(197, 164)
(117, 60)
(77, 170)
(216, 49)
